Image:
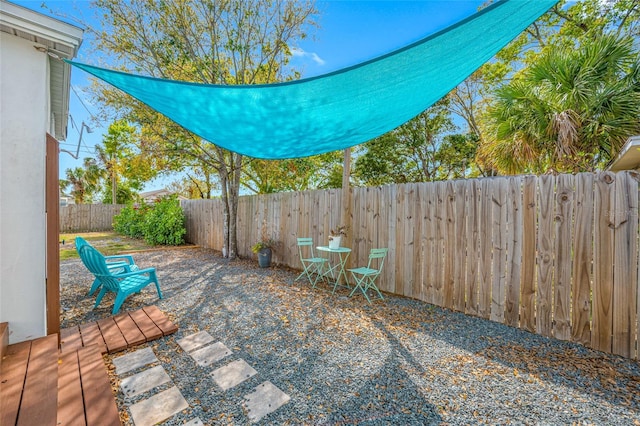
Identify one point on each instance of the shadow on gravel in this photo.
(344, 362)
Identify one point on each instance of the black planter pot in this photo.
(264, 257)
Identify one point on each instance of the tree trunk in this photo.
(114, 190)
(234, 193)
(225, 211)
(230, 181)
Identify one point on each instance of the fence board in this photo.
(430, 202)
(418, 252)
(406, 231)
(401, 208)
(472, 223)
(449, 198)
(383, 236)
(544, 299)
(514, 252)
(486, 249)
(583, 257)
(602, 316)
(528, 299)
(563, 243)
(499, 232)
(625, 236)
(438, 256)
(459, 251)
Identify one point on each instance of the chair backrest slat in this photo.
(96, 263)
(377, 253)
(305, 242)
(81, 242)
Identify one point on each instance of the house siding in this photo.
(24, 122)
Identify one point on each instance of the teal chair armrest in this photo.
(138, 272)
(128, 257)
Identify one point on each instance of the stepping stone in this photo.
(195, 422)
(194, 341)
(158, 408)
(144, 381)
(210, 354)
(265, 399)
(134, 360)
(233, 374)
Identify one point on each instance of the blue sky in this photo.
(350, 31)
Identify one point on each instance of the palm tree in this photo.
(84, 181)
(571, 111)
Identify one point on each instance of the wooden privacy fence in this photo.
(554, 255)
(88, 217)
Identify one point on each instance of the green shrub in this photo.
(165, 223)
(131, 221)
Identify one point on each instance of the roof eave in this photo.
(60, 40)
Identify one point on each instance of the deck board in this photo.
(113, 338)
(70, 401)
(39, 405)
(70, 339)
(91, 335)
(160, 320)
(129, 330)
(96, 389)
(146, 325)
(12, 376)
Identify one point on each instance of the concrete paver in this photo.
(133, 360)
(194, 341)
(265, 399)
(233, 374)
(210, 354)
(144, 381)
(158, 408)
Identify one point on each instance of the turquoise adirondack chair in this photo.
(118, 263)
(122, 284)
(365, 276)
(313, 266)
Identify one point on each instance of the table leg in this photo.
(341, 272)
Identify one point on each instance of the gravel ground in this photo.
(343, 362)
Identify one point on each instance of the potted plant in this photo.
(264, 247)
(335, 236)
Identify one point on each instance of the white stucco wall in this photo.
(24, 122)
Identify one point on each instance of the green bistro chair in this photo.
(365, 276)
(313, 266)
(122, 284)
(116, 263)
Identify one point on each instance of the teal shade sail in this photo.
(340, 109)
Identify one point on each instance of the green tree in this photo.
(567, 24)
(421, 150)
(196, 184)
(298, 174)
(83, 182)
(207, 41)
(125, 194)
(125, 166)
(455, 157)
(570, 111)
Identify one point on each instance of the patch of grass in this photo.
(89, 236)
(109, 243)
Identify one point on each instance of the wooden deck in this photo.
(30, 370)
(120, 332)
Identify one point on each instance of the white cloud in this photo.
(297, 52)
